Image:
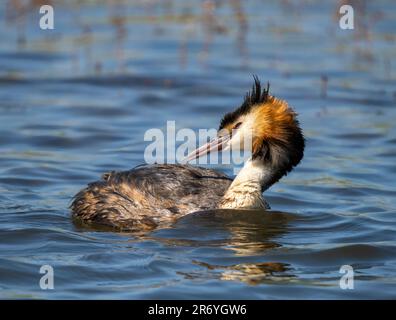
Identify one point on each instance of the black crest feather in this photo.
(253, 97)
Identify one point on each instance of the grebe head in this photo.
(277, 143)
(277, 139)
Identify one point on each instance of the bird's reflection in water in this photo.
(247, 233)
(250, 273)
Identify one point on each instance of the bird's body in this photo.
(153, 195)
(150, 195)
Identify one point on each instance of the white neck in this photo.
(246, 189)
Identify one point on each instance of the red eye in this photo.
(237, 125)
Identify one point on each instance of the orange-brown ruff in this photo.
(153, 195)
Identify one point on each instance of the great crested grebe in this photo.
(148, 196)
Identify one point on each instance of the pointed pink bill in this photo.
(217, 144)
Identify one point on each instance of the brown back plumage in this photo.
(149, 195)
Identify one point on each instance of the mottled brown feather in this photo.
(146, 196)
